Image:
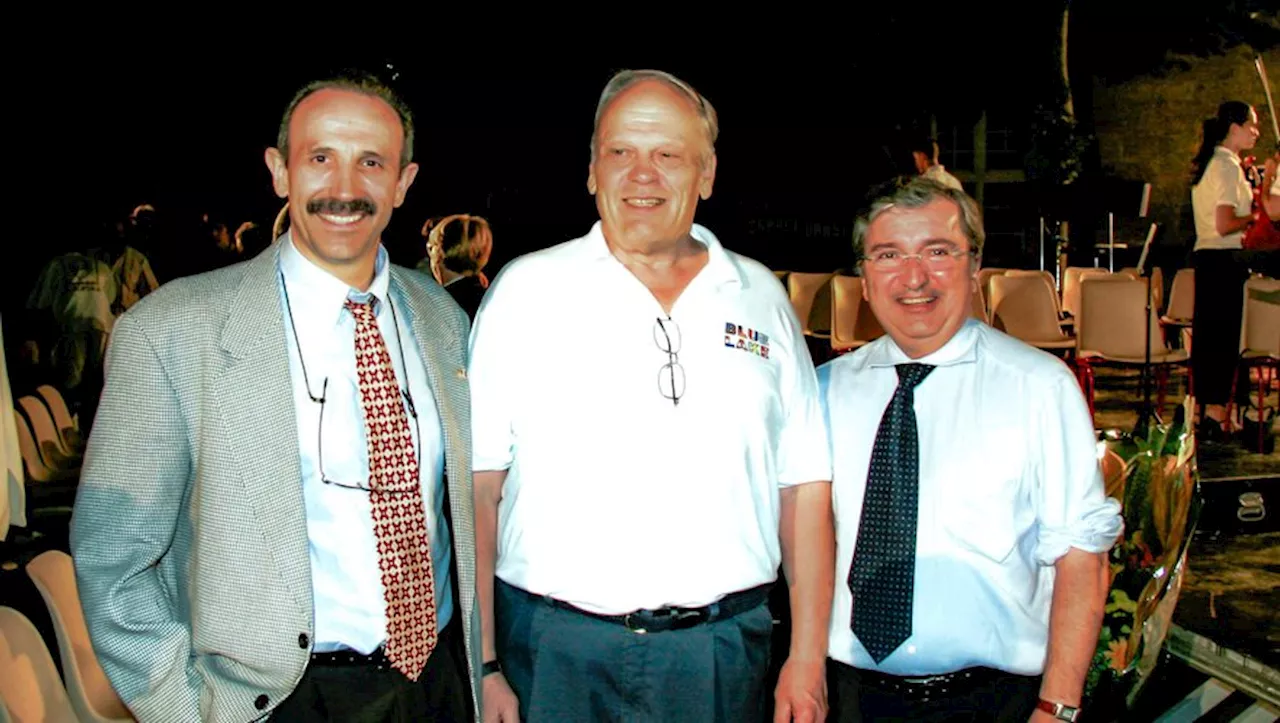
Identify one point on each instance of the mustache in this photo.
(338, 207)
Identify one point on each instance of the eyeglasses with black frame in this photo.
(670, 375)
(324, 394)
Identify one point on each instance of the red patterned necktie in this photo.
(399, 518)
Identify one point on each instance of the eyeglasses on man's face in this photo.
(941, 257)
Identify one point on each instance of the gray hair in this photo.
(916, 192)
(625, 79)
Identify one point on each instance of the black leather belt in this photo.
(930, 686)
(673, 618)
(348, 657)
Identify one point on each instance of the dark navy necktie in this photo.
(882, 577)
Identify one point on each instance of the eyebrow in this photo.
(328, 150)
(930, 242)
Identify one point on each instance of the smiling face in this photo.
(342, 179)
(920, 307)
(1243, 136)
(653, 162)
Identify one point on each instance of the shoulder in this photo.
(426, 293)
(1018, 361)
(190, 302)
(758, 278)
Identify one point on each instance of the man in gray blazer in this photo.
(275, 514)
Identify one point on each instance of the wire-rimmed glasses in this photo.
(324, 394)
(666, 334)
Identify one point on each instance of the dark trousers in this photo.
(1215, 328)
(994, 697)
(567, 666)
(366, 694)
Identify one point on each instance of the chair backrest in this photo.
(1071, 286)
(91, 693)
(811, 298)
(52, 449)
(1182, 297)
(61, 414)
(1048, 280)
(984, 286)
(1023, 307)
(1110, 321)
(36, 469)
(29, 684)
(846, 301)
(1260, 325)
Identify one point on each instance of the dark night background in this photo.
(811, 114)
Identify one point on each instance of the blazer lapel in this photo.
(255, 396)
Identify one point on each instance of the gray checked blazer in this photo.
(189, 533)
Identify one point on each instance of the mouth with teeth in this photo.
(335, 212)
(918, 303)
(644, 201)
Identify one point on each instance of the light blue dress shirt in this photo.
(1009, 482)
(350, 610)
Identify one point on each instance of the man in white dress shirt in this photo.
(643, 404)
(971, 522)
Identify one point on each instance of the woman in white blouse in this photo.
(1222, 202)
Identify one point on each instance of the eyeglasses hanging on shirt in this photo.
(670, 375)
(324, 393)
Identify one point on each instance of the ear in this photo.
(407, 174)
(591, 178)
(279, 168)
(865, 294)
(708, 178)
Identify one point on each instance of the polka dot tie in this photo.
(882, 577)
(399, 518)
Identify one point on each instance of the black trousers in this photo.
(365, 694)
(997, 697)
(1215, 328)
(566, 667)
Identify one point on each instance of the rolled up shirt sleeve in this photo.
(1072, 507)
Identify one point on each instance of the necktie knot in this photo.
(910, 375)
(361, 310)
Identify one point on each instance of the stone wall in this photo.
(1148, 128)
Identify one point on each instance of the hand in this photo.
(499, 701)
(801, 695)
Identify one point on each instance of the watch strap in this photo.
(1060, 711)
(490, 667)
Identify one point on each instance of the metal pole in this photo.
(1111, 242)
(1042, 243)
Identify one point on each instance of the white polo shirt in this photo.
(1223, 184)
(617, 499)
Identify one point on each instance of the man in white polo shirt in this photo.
(972, 525)
(649, 447)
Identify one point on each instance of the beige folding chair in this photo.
(67, 426)
(1071, 287)
(29, 684)
(811, 298)
(49, 442)
(1259, 346)
(1023, 307)
(853, 324)
(984, 286)
(92, 696)
(1110, 330)
(1048, 280)
(36, 469)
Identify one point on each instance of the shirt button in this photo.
(260, 702)
(303, 641)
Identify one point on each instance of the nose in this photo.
(914, 274)
(344, 182)
(642, 171)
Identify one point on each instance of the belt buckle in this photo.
(633, 627)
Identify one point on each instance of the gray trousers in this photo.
(569, 667)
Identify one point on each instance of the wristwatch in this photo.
(489, 668)
(1060, 711)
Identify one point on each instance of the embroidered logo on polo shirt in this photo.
(749, 340)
